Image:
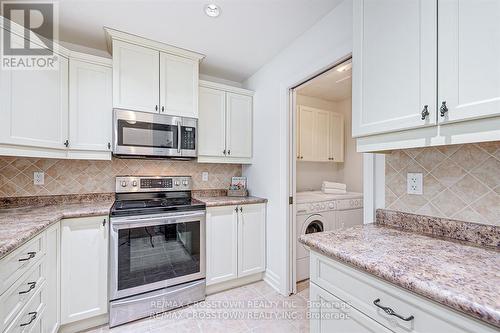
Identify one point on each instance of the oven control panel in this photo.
(130, 184)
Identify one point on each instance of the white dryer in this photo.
(318, 212)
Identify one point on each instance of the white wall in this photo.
(317, 49)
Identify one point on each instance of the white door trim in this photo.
(373, 169)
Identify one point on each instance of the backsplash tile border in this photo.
(63, 177)
(460, 181)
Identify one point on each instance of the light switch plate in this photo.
(38, 178)
(204, 176)
(414, 183)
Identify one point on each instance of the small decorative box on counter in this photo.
(238, 187)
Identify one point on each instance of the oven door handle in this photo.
(156, 220)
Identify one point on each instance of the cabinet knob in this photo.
(236, 209)
(443, 109)
(224, 152)
(425, 112)
(241, 209)
(162, 109)
(229, 152)
(66, 143)
(156, 107)
(104, 222)
(109, 145)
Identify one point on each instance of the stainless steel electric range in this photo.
(157, 247)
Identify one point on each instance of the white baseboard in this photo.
(85, 324)
(215, 288)
(273, 280)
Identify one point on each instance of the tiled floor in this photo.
(252, 308)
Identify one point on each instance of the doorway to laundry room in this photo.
(328, 170)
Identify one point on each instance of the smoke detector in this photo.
(212, 10)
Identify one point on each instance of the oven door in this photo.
(146, 134)
(156, 251)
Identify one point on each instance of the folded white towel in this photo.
(333, 185)
(333, 191)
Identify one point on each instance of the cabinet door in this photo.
(330, 314)
(84, 268)
(336, 136)
(52, 318)
(251, 239)
(306, 133)
(469, 59)
(239, 125)
(321, 136)
(394, 65)
(34, 107)
(136, 71)
(178, 86)
(212, 122)
(222, 248)
(90, 106)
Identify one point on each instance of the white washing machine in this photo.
(318, 212)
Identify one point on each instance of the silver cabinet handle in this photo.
(33, 317)
(390, 311)
(425, 112)
(31, 285)
(443, 109)
(31, 255)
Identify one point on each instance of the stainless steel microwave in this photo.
(143, 134)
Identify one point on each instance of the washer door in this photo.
(314, 223)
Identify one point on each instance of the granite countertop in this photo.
(454, 273)
(230, 201)
(18, 225)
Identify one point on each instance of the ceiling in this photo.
(333, 85)
(246, 35)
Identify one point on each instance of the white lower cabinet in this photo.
(84, 268)
(351, 294)
(53, 275)
(235, 242)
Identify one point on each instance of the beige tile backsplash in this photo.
(81, 176)
(460, 181)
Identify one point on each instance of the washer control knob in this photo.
(331, 205)
(185, 182)
(124, 183)
(134, 183)
(177, 183)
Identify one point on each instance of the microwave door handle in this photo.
(179, 137)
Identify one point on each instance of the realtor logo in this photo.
(28, 34)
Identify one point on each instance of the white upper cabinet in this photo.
(394, 65)
(178, 86)
(336, 134)
(212, 122)
(239, 125)
(136, 75)
(225, 124)
(34, 107)
(150, 76)
(320, 135)
(469, 59)
(90, 106)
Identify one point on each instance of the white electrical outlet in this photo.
(204, 176)
(414, 183)
(38, 178)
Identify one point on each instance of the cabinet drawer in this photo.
(330, 314)
(13, 300)
(360, 290)
(21, 260)
(30, 317)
